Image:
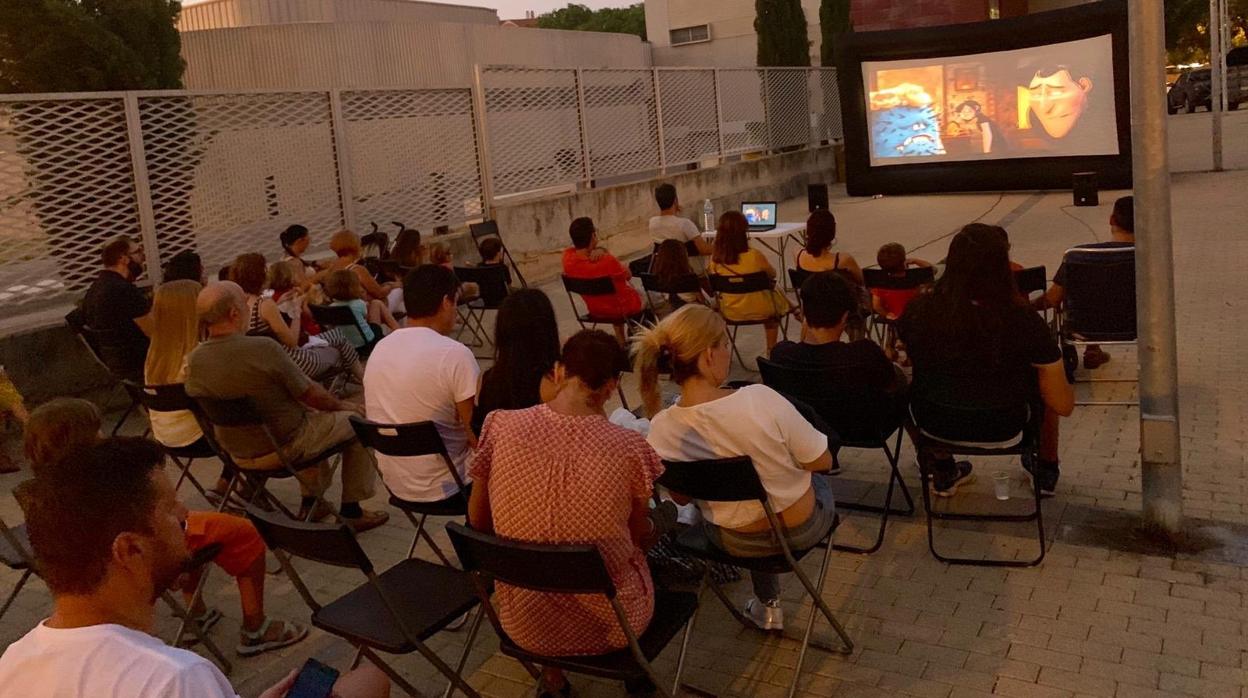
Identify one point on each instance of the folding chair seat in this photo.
(859, 417)
(330, 316)
(984, 434)
(725, 285)
(914, 279)
(1099, 308)
(276, 465)
(574, 569)
(96, 342)
(408, 441)
(735, 480)
(395, 611)
(488, 229)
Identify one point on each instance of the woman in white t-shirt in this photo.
(711, 422)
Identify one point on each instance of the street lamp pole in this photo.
(1216, 79)
(1158, 347)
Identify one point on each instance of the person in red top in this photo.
(890, 303)
(586, 260)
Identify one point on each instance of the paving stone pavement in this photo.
(1095, 619)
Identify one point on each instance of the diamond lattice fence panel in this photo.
(533, 128)
(413, 157)
(66, 188)
(621, 120)
(229, 172)
(743, 114)
(690, 128)
(788, 106)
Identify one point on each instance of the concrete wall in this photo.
(222, 14)
(387, 54)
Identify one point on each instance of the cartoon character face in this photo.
(1058, 100)
(906, 131)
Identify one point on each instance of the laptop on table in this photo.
(761, 215)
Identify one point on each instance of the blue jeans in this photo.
(764, 543)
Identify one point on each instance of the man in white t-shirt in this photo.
(670, 225)
(107, 534)
(418, 374)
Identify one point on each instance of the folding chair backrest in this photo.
(960, 422)
(745, 283)
(641, 265)
(233, 412)
(400, 440)
(717, 480)
(482, 230)
(1031, 279)
(160, 398)
(491, 280)
(560, 569)
(1100, 293)
(599, 286)
(333, 316)
(853, 410)
(915, 277)
(330, 544)
(687, 283)
(797, 277)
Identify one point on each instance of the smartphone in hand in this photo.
(315, 680)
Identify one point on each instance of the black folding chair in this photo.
(860, 417)
(241, 413)
(173, 398)
(671, 290)
(492, 282)
(1031, 279)
(735, 480)
(486, 229)
(98, 343)
(955, 430)
(600, 286)
(330, 316)
(743, 284)
(409, 441)
(574, 569)
(394, 612)
(881, 328)
(641, 265)
(797, 277)
(1099, 308)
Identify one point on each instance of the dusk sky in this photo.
(511, 9)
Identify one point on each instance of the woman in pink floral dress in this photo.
(560, 473)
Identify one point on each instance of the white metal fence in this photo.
(223, 173)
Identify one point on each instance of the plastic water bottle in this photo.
(708, 216)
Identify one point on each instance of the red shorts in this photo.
(240, 541)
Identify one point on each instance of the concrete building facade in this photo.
(226, 14)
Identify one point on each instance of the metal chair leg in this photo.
(389, 671)
(456, 680)
(21, 582)
(185, 615)
(463, 657)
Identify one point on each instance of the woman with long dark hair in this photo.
(976, 343)
(733, 256)
(526, 347)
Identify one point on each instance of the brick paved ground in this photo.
(1092, 620)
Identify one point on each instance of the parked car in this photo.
(1194, 88)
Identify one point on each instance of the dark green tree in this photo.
(1187, 28)
(79, 45)
(781, 29)
(618, 20)
(834, 19)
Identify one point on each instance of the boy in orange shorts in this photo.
(63, 424)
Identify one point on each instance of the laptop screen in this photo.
(759, 212)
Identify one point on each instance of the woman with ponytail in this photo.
(711, 422)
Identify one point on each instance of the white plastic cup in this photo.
(1001, 485)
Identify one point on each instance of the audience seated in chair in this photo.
(669, 265)
(710, 422)
(829, 300)
(561, 473)
(586, 260)
(185, 265)
(419, 374)
(974, 341)
(491, 251)
(1122, 235)
(115, 306)
(346, 245)
(734, 257)
(128, 548)
(343, 289)
(670, 225)
(295, 241)
(526, 347)
(304, 417)
(64, 425)
(331, 352)
(817, 255)
(890, 303)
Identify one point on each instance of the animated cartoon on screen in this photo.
(904, 123)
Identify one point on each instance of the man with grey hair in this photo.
(304, 417)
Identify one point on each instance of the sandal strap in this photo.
(260, 632)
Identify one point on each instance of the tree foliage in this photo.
(834, 18)
(1187, 28)
(781, 29)
(87, 45)
(617, 20)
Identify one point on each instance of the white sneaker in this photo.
(767, 616)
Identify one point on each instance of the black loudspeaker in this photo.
(817, 195)
(1086, 189)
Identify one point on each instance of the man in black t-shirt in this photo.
(1122, 235)
(116, 308)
